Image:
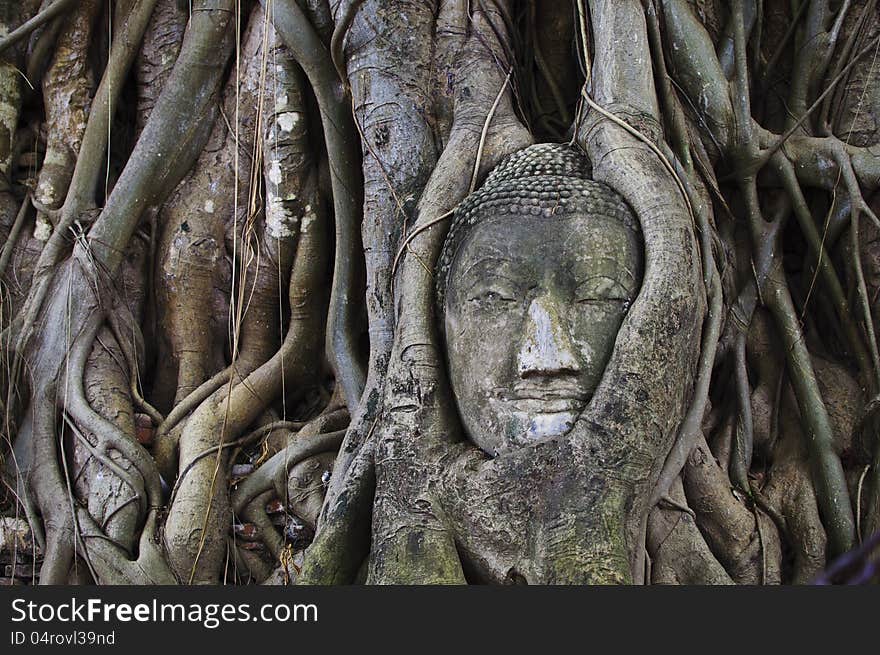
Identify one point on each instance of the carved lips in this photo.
(547, 409)
(549, 398)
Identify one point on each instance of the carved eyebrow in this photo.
(488, 270)
(595, 281)
(624, 275)
(495, 263)
(609, 258)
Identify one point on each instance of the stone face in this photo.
(535, 278)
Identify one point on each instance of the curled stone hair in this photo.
(547, 180)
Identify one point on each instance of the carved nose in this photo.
(546, 348)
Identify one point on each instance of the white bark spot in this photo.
(279, 223)
(275, 173)
(46, 192)
(209, 206)
(308, 219)
(287, 120)
(43, 229)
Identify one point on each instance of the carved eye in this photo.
(591, 300)
(493, 296)
(602, 290)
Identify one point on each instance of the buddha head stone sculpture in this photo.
(535, 277)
